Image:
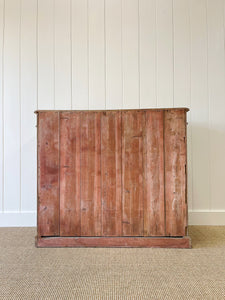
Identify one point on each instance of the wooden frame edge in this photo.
(115, 242)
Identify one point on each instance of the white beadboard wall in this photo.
(109, 54)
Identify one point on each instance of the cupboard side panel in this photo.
(175, 172)
(91, 174)
(111, 173)
(154, 221)
(132, 173)
(48, 173)
(69, 174)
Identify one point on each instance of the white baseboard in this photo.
(29, 218)
(206, 217)
(18, 219)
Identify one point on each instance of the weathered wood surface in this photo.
(112, 174)
(91, 216)
(175, 172)
(132, 173)
(48, 174)
(154, 214)
(185, 109)
(70, 169)
(136, 242)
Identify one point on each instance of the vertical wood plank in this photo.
(147, 53)
(96, 54)
(80, 85)
(153, 150)
(182, 73)
(2, 13)
(91, 174)
(130, 53)
(164, 76)
(28, 104)
(46, 68)
(62, 45)
(113, 44)
(175, 170)
(12, 105)
(48, 173)
(132, 172)
(200, 106)
(111, 173)
(70, 174)
(216, 88)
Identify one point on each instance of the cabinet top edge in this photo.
(186, 109)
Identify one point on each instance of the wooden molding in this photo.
(123, 242)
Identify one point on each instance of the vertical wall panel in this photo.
(111, 173)
(183, 39)
(96, 12)
(216, 88)
(182, 72)
(132, 173)
(199, 106)
(70, 174)
(181, 53)
(113, 44)
(80, 85)
(46, 85)
(147, 9)
(130, 54)
(62, 55)
(28, 104)
(164, 31)
(1, 105)
(12, 106)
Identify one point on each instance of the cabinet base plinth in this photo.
(123, 242)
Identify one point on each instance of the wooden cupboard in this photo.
(112, 178)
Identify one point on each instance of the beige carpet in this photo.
(112, 273)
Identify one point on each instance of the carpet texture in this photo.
(112, 273)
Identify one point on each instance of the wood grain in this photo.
(154, 224)
(48, 174)
(111, 178)
(70, 174)
(91, 174)
(124, 242)
(132, 173)
(175, 172)
(111, 173)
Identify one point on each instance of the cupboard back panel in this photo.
(112, 173)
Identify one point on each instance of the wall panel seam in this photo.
(37, 51)
(53, 11)
(122, 71)
(190, 87)
(156, 56)
(88, 79)
(173, 47)
(105, 74)
(71, 57)
(20, 112)
(3, 127)
(139, 75)
(209, 105)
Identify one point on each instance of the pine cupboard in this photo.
(112, 178)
